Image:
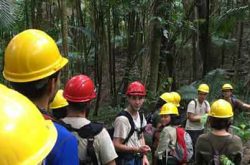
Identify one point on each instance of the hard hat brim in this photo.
(33, 76)
(47, 147)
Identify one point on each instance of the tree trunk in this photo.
(64, 30)
(203, 45)
(103, 59)
(131, 52)
(237, 59)
(27, 16)
(155, 33)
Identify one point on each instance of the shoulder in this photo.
(206, 102)
(121, 122)
(63, 133)
(235, 144)
(236, 138)
(203, 137)
(192, 102)
(104, 136)
(168, 129)
(122, 119)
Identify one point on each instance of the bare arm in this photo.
(243, 105)
(111, 163)
(119, 146)
(147, 149)
(246, 106)
(193, 117)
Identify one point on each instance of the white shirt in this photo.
(200, 109)
(122, 128)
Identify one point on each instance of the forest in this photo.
(169, 45)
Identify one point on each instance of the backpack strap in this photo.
(132, 124)
(88, 132)
(205, 102)
(195, 103)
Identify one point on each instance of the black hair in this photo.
(175, 120)
(79, 106)
(59, 113)
(159, 103)
(34, 89)
(220, 123)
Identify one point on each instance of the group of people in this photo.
(41, 124)
(31, 134)
(218, 139)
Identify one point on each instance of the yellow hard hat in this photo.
(25, 136)
(177, 98)
(167, 97)
(227, 86)
(221, 109)
(203, 88)
(31, 55)
(59, 101)
(169, 109)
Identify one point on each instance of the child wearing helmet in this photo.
(131, 150)
(165, 152)
(167, 97)
(219, 141)
(59, 105)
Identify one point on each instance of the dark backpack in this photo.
(132, 124)
(88, 132)
(183, 148)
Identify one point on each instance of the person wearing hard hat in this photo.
(128, 135)
(25, 136)
(219, 145)
(227, 94)
(32, 65)
(153, 120)
(58, 107)
(166, 150)
(154, 117)
(197, 113)
(79, 92)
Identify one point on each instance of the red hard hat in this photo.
(136, 89)
(79, 88)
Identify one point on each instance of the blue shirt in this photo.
(65, 151)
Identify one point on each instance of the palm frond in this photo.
(224, 23)
(7, 13)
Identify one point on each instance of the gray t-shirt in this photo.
(167, 142)
(199, 109)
